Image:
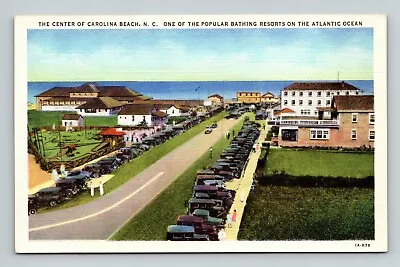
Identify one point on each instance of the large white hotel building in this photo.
(306, 99)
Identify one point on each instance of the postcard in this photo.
(234, 133)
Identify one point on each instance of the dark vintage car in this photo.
(199, 224)
(107, 164)
(226, 197)
(98, 169)
(205, 214)
(48, 196)
(33, 206)
(209, 177)
(184, 233)
(71, 186)
(79, 174)
(210, 172)
(214, 206)
(219, 183)
(214, 125)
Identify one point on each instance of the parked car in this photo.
(98, 169)
(199, 224)
(79, 174)
(33, 206)
(208, 130)
(214, 125)
(214, 206)
(48, 196)
(205, 214)
(70, 186)
(184, 233)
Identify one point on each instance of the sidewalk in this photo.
(242, 187)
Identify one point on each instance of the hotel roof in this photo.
(321, 86)
(101, 103)
(353, 102)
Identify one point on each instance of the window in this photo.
(357, 92)
(310, 93)
(316, 112)
(322, 134)
(285, 102)
(328, 93)
(319, 93)
(305, 112)
(354, 134)
(285, 93)
(319, 103)
(133, 117)
(300, 102)
(371, 118)
(354, 117)
(301, 94)
(293, 102)
(338, 93)
(347, 93)
(372, 135)
(310, 102)
(328, 102)
(293, 93)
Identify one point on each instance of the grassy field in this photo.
(129, 170)
(50, 118)
(320, 163)
(151, 223)
(85, 143)
(299, 213)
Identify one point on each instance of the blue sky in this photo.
(200, 55)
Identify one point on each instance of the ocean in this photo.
(187, 90)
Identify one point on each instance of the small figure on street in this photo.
(91, 188)
(211, 150)
(229, 220)
(233, 133)
(234, 216)
(254, 147)
(228, 135)
(221, 235)
(242, 196)
(101, 188)
(258, 146)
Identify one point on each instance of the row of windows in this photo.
(354, 118)
(308, 112)
(62, 103)
(323, 134)
(249, 94)
(371, 135)
(310, 102)
(319, 93)
(83, 94)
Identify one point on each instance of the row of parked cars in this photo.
(211, 200)
(77, 181)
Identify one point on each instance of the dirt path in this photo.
(37, 176)
(101, 218)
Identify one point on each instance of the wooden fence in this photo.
(48, 165)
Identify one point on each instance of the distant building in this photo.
(248, 97)
(216, 99)
(72, 120)
(100, 106)
(306, 98)
(351, 125)
(269, 98)
(141, 114)
(69, 98)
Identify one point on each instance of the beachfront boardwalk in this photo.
(242, 187)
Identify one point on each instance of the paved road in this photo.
(100, 218)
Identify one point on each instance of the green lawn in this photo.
(50, 118)
(320, 163)
(151, 223)
(85, 143)
(308, 213)
(131, 169)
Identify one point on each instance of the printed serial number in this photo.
(362, 245)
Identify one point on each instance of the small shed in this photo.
(72, 120)
(113, 136)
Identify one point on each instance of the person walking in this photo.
(229, 220)
(228, 135)
(221, 235)
(211, 150)
(234, 216)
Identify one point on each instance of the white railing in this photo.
(309, 122)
